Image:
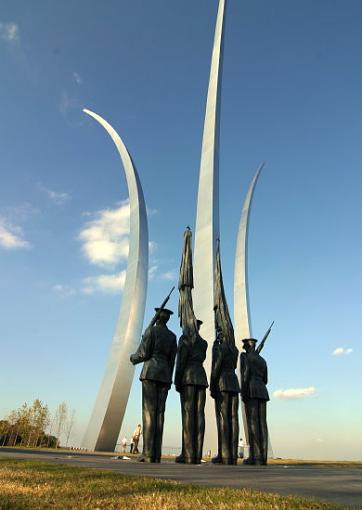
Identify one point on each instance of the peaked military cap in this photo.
(170, 312)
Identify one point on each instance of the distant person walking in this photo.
(124, 444)
(136, 438)
(241, 448)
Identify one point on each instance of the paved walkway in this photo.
(341, 485)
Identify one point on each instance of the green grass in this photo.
(26, 484)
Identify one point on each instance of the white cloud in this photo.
(106, 238)
(152, 247)
(168, 275)
(9, 32)
(106, 283)
(58, 197)
(294, 393)
(63, 290)
(152, 272)
(105, 243)
(19, 213)
(67, 103)
(340, 351)
(77, 78)
(151, 212)
(11, 236)
(71, 109)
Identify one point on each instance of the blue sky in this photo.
(291, 97)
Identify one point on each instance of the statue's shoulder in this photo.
(204, 342)
(263, 360)
(171, 334)
(183, 340)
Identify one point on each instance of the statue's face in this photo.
(164, 317)
(249, 346)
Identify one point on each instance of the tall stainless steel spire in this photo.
(242, 324)
(107, 416)
(207, 216)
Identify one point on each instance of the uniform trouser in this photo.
(257, 427)
(227, 405)
(135, 444)
(193, 421)
(217, 402)
(154, 395)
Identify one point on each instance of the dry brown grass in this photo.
(319, 463)
(37, 485)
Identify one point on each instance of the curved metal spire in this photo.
(207, 216)
(107, 416)
(242, 322)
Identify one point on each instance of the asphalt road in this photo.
(341, 485)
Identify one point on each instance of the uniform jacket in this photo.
(253, 376)
(190, 357)
(158, 351)
(224, 361)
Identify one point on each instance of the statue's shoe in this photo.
(260, 462)
(249, 462)
(180, 459)
(216, 460)
(227, 461)
(145, 459)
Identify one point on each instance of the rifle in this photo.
(261, 345)
(157, 314)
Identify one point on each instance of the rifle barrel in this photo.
(261, 345)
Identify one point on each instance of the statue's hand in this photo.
(132, 360)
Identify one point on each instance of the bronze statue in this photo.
(191, 383)
(224, 385)
(254, 377)
(190, 376)
(158, 351)
(224, 388)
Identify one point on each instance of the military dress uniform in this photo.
(191, 383)
(254, 377)
(158, 351)
(225, 389)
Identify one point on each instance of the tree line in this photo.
(33, 425)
